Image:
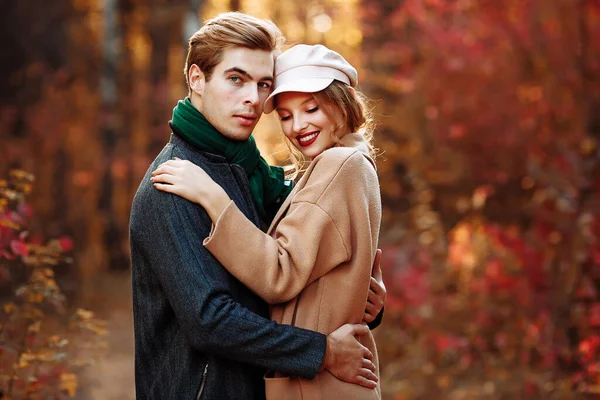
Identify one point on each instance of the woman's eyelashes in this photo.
(308, 111)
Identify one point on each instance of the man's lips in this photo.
(246, 119)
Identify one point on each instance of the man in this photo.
(199, 333)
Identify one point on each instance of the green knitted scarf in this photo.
(267, 183)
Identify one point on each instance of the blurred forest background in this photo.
(489, 129)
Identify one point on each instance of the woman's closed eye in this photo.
(312, 110)
(285, 117)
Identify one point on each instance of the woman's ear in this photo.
(196, 79)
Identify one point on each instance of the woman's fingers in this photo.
(372, 309)
(376, 285)
(170, 166)
(163, 169)
(165, 188)
(164, 178)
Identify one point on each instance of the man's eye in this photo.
(264, 85)
(235, 79)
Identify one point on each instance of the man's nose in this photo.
(251, 95)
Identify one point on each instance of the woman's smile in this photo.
(305, 123)
(307, 139)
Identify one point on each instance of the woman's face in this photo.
(305, 124)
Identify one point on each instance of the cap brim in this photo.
(308, 85)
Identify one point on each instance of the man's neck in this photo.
(196, 101)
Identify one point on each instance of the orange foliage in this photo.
(39, 359)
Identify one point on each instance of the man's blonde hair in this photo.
(227, 30)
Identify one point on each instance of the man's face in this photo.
(232, 100)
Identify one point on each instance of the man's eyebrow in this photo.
(246, 74)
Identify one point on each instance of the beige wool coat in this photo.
(314, 263)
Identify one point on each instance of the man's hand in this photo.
(349, 360)
(377, 291)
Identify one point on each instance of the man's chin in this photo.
(239, 134)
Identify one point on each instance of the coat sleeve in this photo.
(196, 286)
(278, 269)
(306, 244)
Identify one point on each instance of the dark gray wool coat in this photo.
(200, 333)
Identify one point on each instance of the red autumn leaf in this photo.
(446, 342)
(66, 244)
(530, 389)
(594, 315)
(19, 248)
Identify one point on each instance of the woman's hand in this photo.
(186, 179)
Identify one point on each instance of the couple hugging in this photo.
(248, 282)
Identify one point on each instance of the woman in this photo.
(314, 263)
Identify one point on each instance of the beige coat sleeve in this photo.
(307, 245)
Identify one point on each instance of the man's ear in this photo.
(196, 79)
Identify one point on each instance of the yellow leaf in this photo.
(39, 297)
(84, 314)
(35, 327)
(25, 359)
(9, 308)
(53, 340)
(20, 174)
(68, 383)
(57, 341)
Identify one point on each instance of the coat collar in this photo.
(358, 142)
(351, 140)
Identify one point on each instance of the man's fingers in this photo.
(368, 364)
(368, 383)
(369, 374)
(359, 329)
(368, 318)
